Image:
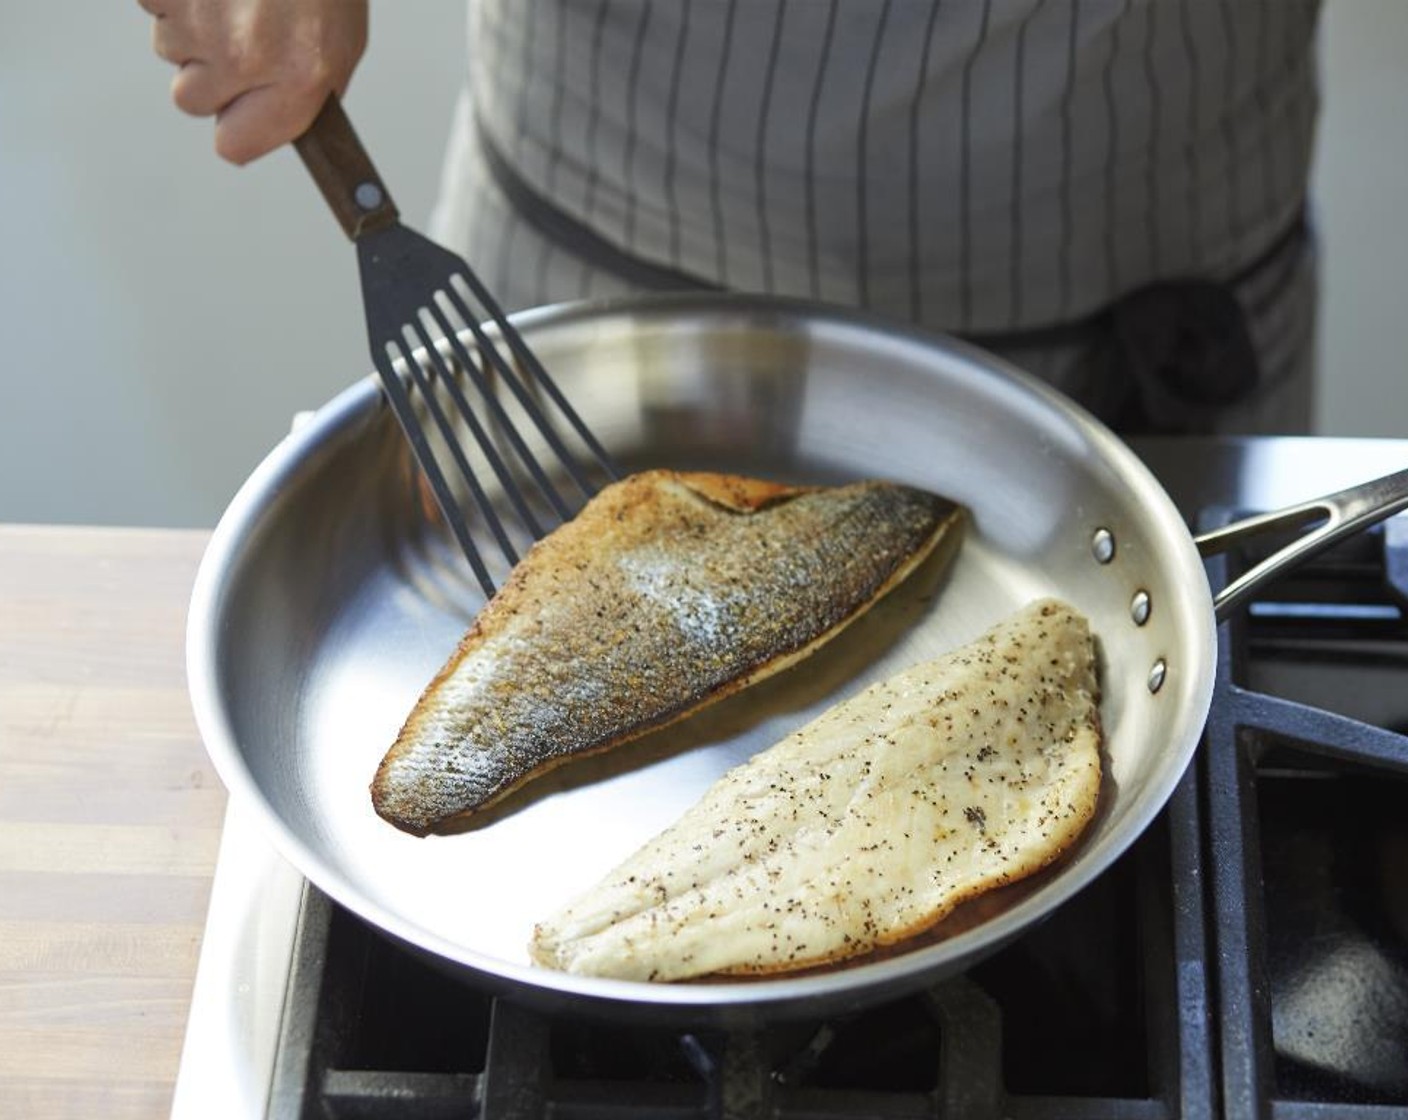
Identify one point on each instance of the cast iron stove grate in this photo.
(1306, 770)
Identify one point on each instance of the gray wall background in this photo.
(162, 315)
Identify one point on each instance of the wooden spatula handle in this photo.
(344, 172)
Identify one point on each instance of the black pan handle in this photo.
(1334, 516)
(344, 172)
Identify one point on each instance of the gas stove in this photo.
(1248, 957)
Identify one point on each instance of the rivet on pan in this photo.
(1157, 675)
(1102, 545)
(1139, 608)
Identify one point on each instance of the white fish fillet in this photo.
(866, 826)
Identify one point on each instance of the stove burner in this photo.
(1334, 850)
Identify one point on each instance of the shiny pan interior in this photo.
(330, 594)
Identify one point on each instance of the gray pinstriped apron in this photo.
(1110, 193)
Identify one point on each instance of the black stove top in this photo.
(1304, 765)
(1081, 1017)
(1248, 957)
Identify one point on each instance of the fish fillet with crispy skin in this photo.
(666, 592)
(868, 825)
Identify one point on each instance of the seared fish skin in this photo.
(667, 591)
(868, 825)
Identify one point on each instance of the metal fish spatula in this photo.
(421, 301)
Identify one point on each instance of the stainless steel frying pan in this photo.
(328, 597)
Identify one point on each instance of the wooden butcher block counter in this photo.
(110, 816)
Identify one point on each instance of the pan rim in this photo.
(865, 981)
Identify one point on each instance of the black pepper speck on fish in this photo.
(669, 590)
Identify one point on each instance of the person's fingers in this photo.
(262, 119)
(202, 90)
(262, 68)
(172, 41)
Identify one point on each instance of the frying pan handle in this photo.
(1339, 515)
(344, 172)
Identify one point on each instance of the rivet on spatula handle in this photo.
(344, 172)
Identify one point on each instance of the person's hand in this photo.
(261, 68)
